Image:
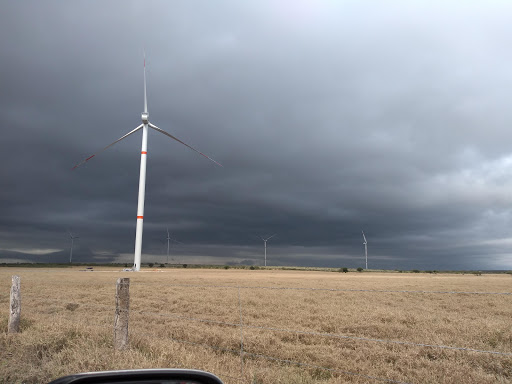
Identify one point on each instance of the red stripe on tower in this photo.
(144, 153)
(140, 217)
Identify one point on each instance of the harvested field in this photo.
(297, 327)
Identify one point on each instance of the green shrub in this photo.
(226, 267)
(416, 270)
(185, 265)
(345, 270)
(359, 269)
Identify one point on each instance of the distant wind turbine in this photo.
(169, 239)
(72, 242)
(265, 242)
(142, 179)
(365, 249)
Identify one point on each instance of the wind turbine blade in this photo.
(179, 141)
(272, 236)
(364, 237)
(108, 146)
(145, 96)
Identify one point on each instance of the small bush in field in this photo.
(345, 270)
(359, 269)
(71, 306)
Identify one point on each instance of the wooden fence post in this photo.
(13, 325)
(122, 313)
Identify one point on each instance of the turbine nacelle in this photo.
(145, 118)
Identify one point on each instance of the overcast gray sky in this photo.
(330, 117)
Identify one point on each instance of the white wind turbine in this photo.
(265, 242)
(169, 239)
(365, 249)
(72, 242)
(142, 179)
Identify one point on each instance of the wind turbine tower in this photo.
(142, 178)
(265, 242)
(72, 242)
(365, 249)
(169, 239)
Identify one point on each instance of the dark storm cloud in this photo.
(328, 118)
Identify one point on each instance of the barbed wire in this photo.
(252, 354)
(325, 289)
(300, 332)
(181, 317)
(67, 301)
(139, 283)
(287, 361)
(213, 347)
(242, 352)
(152, 336)
(332, 335)
(338, 336)
(298, 363)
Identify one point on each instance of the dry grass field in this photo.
(336, 325)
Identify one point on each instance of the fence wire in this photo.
(322, 334)
(295, 331)
(243, 352)
(107, 327)
(325, 289)
(285, 361)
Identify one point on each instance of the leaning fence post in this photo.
(13, 325)
(122, 313)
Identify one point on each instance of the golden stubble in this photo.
(190, 318)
